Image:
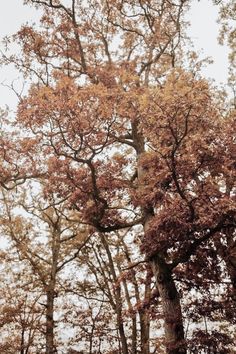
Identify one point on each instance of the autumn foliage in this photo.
(118, 195)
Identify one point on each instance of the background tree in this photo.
(126, 305)
(21, 313)
(47, 241)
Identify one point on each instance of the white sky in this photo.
(203, 31)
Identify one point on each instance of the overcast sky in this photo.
(203, 31)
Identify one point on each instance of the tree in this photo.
(126, 136)
(47, 240)
(127, 294)
(21, 313)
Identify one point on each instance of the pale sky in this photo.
(203, 31)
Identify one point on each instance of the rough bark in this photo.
(171, 307)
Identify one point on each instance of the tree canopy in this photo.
(118, 185)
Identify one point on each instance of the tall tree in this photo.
(125, 136)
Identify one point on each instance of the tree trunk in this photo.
(22, 346)
(118, 297)
(144, 328)
(232, 274)
(123, 340)
(230, 260)
(173, 320)
(145, 320)
(134, 320)
(50, 323)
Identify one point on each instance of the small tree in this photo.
(48, 241)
